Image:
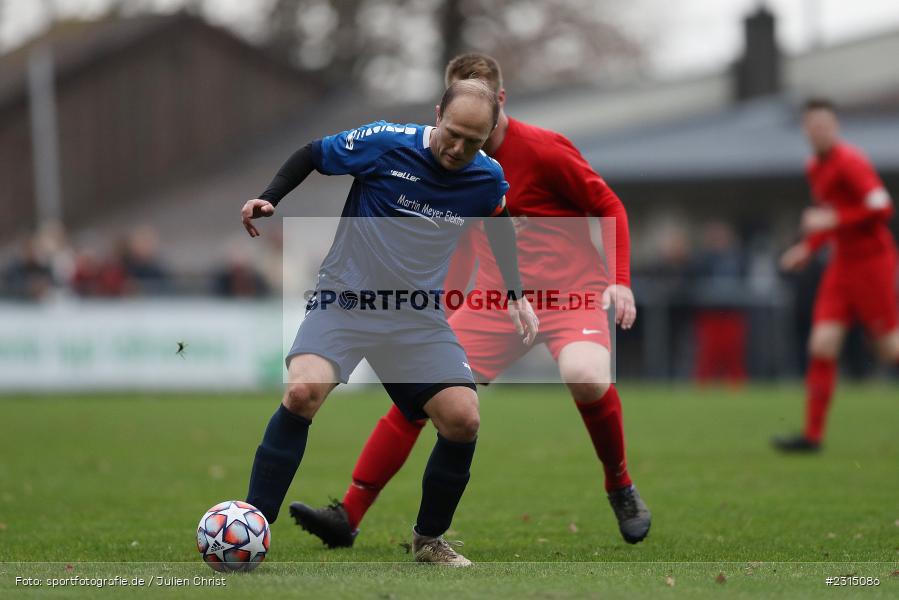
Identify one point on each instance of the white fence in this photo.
(75, 345)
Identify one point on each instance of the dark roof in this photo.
(78, 44)
(761, 138)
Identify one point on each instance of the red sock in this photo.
(819, 383)
(603, 421)
(384, 453)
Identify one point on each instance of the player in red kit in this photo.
(852, 213)
(549, 179)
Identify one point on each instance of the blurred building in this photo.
(729, 146)
(168, 122)
(96, 117)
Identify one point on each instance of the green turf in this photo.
(124, 478)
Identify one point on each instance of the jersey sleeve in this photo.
(499, 206)
(816, 241)
(576, 181)
(498, 202)
(870, 199)
(355, 151)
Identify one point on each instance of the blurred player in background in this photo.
(548, 178)
(390, 165)
(852, 212)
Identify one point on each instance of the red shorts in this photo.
(492, 344)
(863, 291)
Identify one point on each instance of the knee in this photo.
(888, 347)
(302, 399)
(585, 393)
(889, 353)
(463, 427)
(823, 348)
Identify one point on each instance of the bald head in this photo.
(476, 92)
(466, 117)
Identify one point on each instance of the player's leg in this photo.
(831, 317)
(491, 344)
(825, 343)
(310, 379)
(878, 307)
(454, 412)
(385, 451)
(585, 367)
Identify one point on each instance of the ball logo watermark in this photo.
(347, 300)
(421, 300)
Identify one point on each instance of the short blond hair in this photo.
(475, 65)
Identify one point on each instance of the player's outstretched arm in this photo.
(501, 234)
(289, 176)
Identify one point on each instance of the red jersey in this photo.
(845, 180)
(549, 177)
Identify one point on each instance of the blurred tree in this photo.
(452, 29)
(281, 24)
(195, 7)
(396, 47)
(550, 42)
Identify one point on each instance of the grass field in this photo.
(112, 485)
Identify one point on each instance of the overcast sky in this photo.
(704, 34)
(683, 36)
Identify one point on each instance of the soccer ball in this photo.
(233, 536)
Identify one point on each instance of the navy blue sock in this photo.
(277, 459)
(446, 476)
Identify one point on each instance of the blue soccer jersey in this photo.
(404, 213)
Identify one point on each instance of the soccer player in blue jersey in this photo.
(415, 190)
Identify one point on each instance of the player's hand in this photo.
(796, 257)
(522, 314)
(254, 209)
(519, 223)
(625, 305)
(818, 218)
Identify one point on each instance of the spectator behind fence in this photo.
(28, 275)
(96, 275)
(143, 268)
(238, 278)
(720, 331)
